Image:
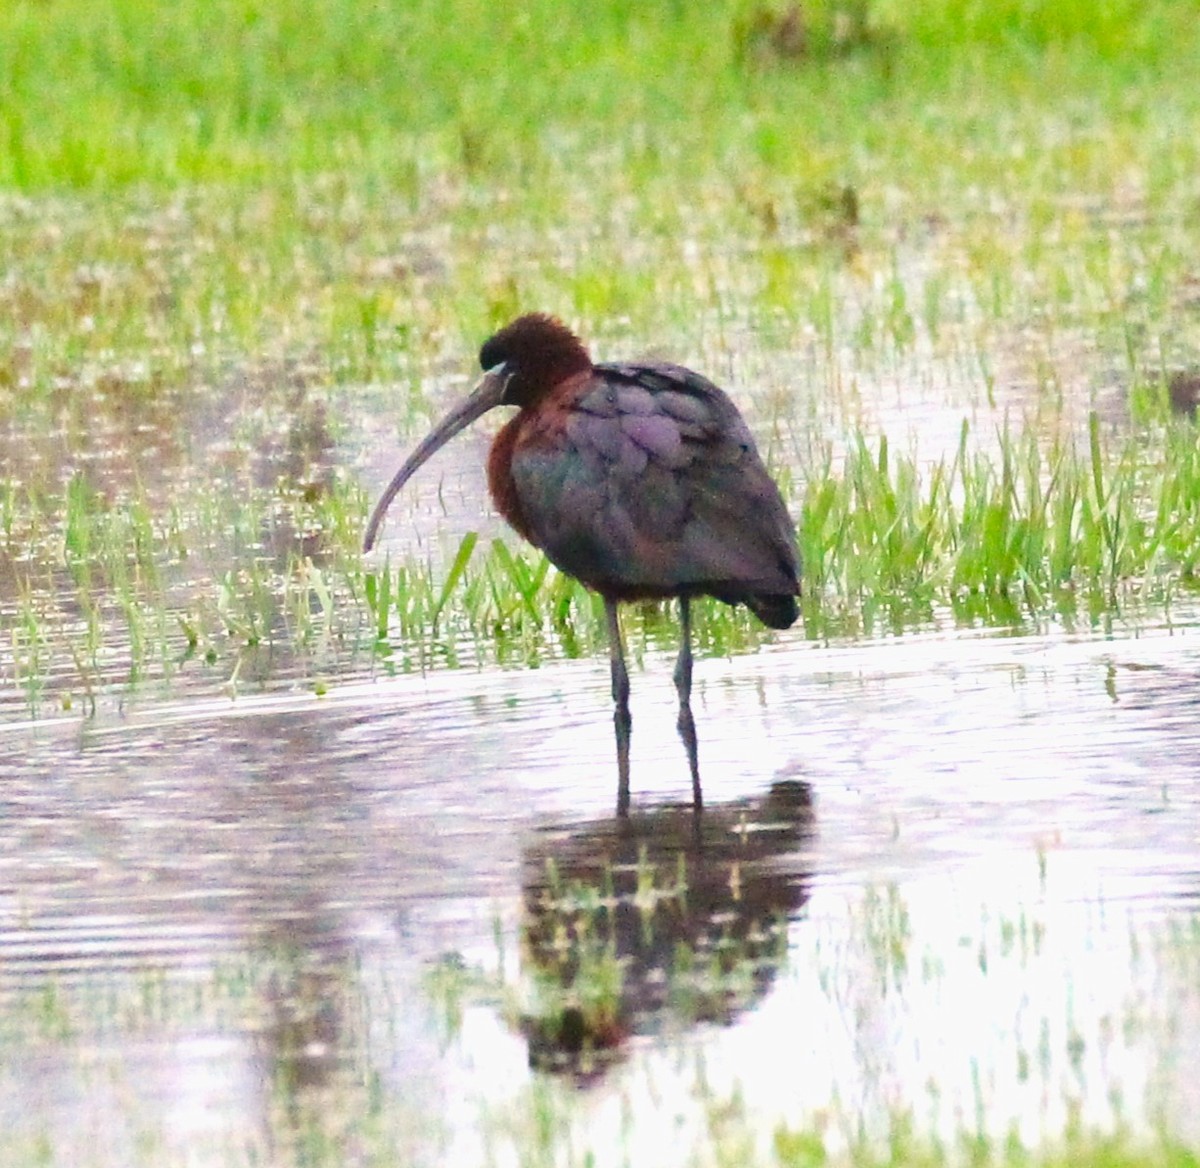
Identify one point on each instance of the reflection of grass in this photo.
(575, 973)
(333, 1040)
(600, 964)
(872, 989)
(903, 1147)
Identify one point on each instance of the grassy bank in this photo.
(251, 94)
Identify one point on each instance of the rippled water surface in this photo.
(271, 894)
(957, 876)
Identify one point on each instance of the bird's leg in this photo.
(620, 692)
(683, 684)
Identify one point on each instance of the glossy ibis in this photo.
(640, 480)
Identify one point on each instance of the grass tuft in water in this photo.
(1033, 531)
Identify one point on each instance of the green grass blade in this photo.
(455, 574)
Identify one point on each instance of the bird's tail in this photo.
(776, 611)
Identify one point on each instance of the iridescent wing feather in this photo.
(646, 481)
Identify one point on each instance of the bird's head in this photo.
(522, 363)
(534, 353)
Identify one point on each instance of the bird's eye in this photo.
(507, 372)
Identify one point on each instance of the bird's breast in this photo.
(523, 468)
(501, 484)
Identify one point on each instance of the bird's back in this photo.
(643, 480)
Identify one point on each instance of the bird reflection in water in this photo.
(663, 919)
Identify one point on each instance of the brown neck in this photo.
(499, 475)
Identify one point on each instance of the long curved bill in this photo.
(487, 394)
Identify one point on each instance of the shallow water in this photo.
(240, 932)
(946, 879)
